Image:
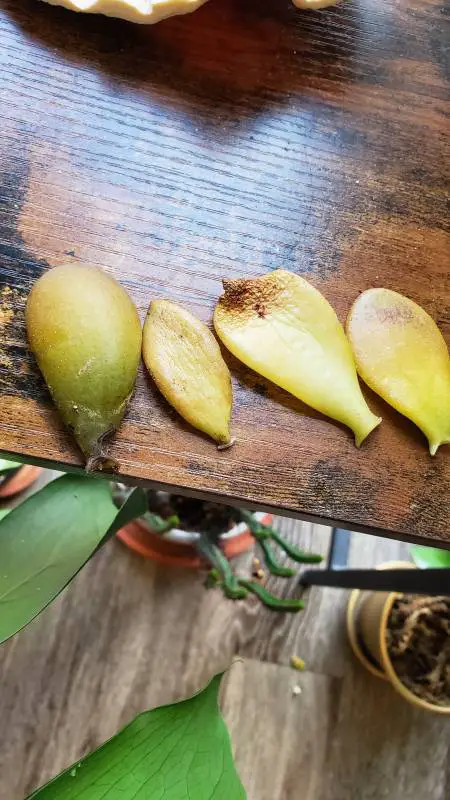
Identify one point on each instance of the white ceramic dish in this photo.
(147, 12)
(142, 11)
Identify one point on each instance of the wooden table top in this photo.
(241, 138)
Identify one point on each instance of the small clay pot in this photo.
(22, 479)
(367, 620)
(176, 547)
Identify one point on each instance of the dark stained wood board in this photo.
(227, 143)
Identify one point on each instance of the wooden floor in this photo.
(128, 635)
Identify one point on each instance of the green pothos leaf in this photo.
(429, 557)
(46, 540)
(176, 752)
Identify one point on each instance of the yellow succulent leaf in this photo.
(186, 364)
(85, 332)
(314, 4)
(283, 328)
(401, 354)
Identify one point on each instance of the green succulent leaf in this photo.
(46, 540)
(430, 557)
(176, 752)
(6, 465)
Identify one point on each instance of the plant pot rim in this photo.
(352, 622)
(386, 672)
(182, 536)
(354, 638)
(178, 549)
(388, 666)
(23, 478)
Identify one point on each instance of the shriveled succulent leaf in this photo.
(401, 354)
(186, 364)
(283, 328)
(176, 752)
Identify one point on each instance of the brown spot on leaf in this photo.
(398, 315)
(250, 296)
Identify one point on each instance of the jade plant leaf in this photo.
(284, 329)
(401, 354)
(430, 557)
(85, 333)
(46, 540)
(177, 752)
(186, 364)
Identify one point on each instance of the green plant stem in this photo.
(228, 580)
(269, 599)
(294, 552)
(274, 567)
(160, 525)
(258, 530)
(262, 532)
(213, 579)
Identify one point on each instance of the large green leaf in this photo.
(177, 752)
(46, 540)
(6, 465)
(429, 557)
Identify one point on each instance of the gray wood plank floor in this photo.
(128, 635)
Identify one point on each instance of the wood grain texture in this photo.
(128, 634)
(225, 144)
(383, 748)
(290, 733)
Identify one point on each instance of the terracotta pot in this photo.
(21, 480)
(176, 547)
(367, 620)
